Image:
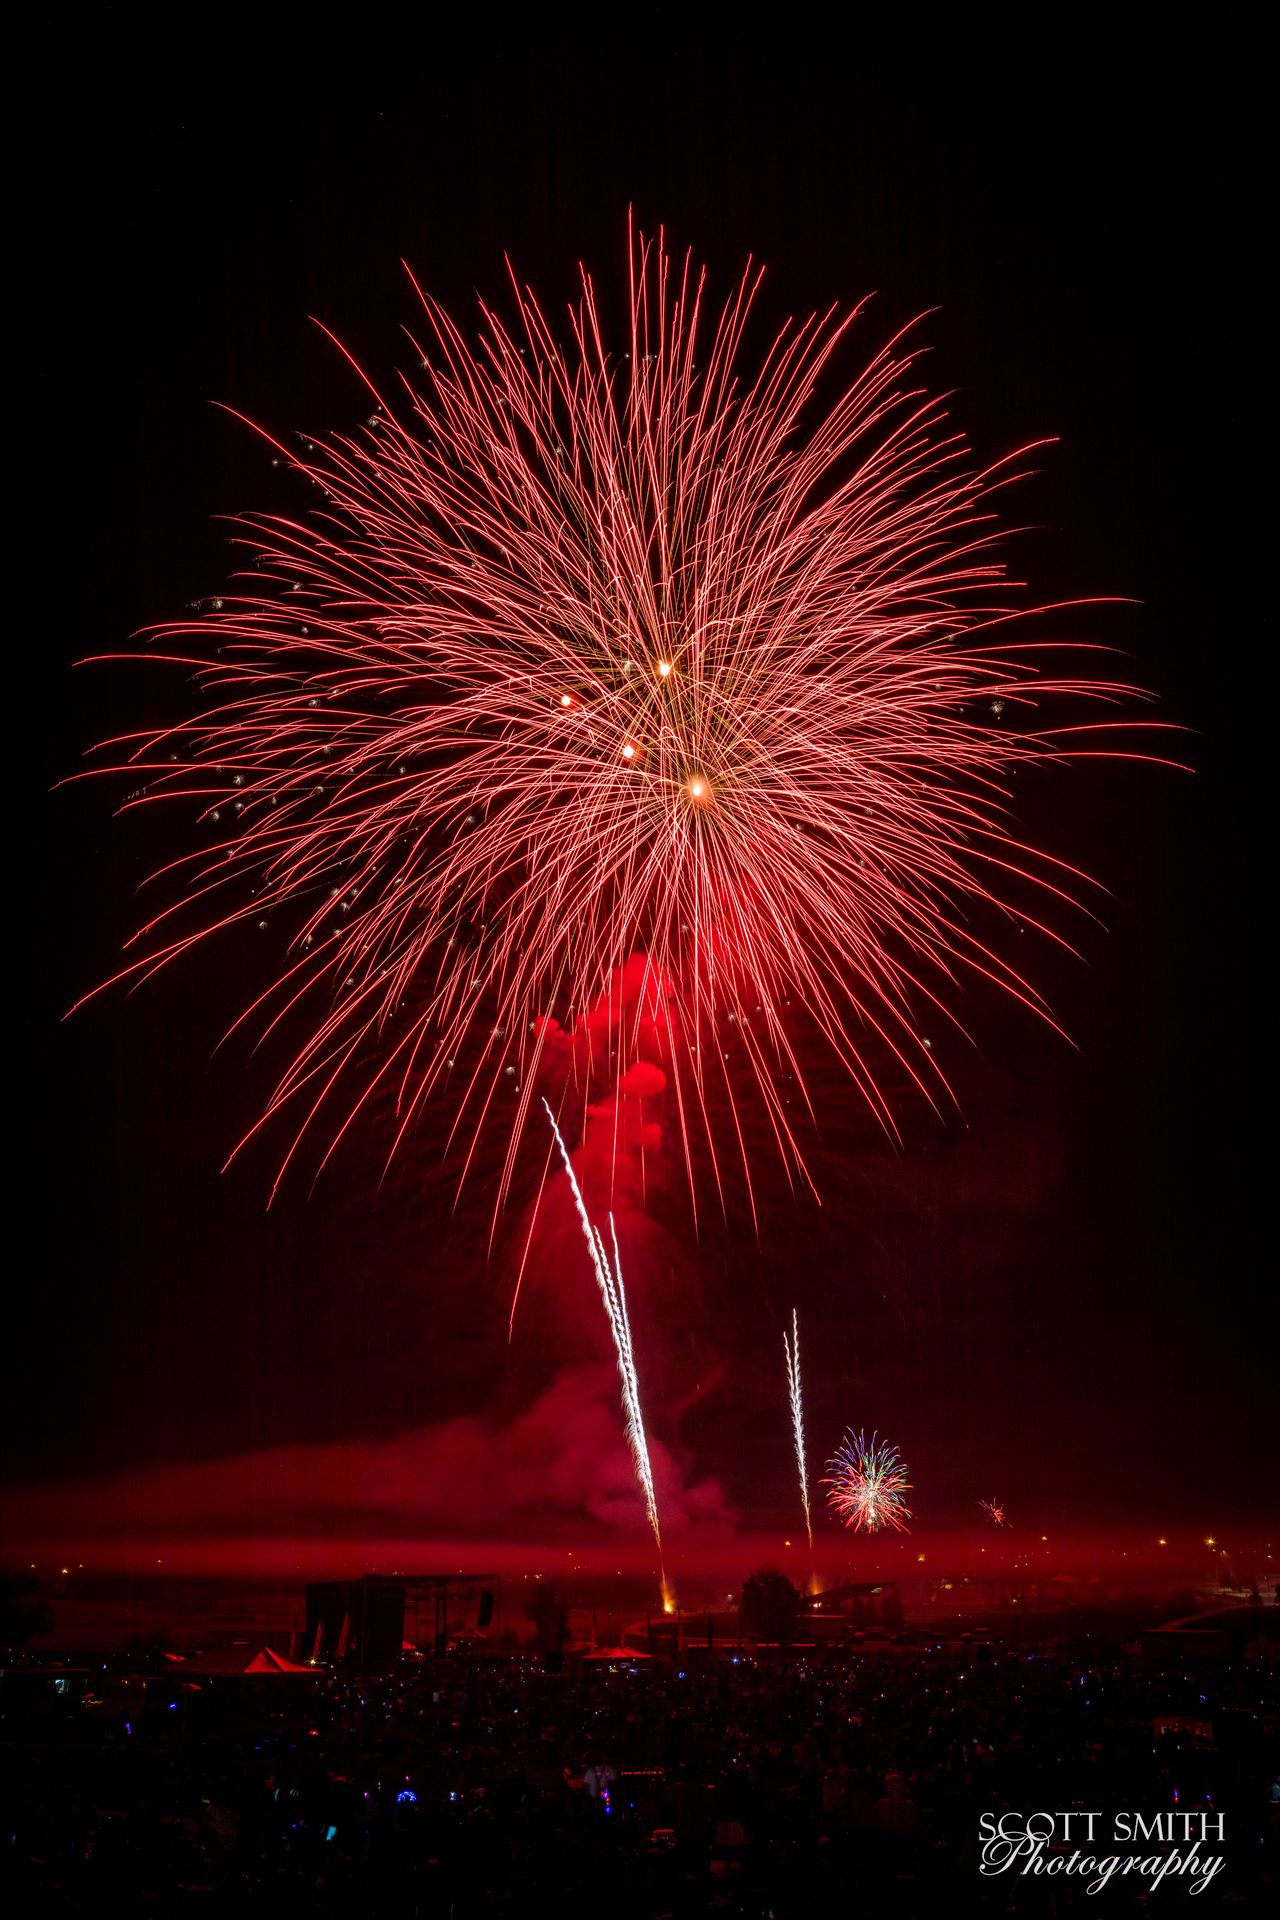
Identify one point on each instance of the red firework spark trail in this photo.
(587, 656)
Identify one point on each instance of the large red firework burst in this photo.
(590, 655)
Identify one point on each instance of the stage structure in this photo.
(369, 1621)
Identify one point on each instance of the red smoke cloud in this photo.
(622, 1131)
(554, 1475)
(557, 1475)
(616, 1141)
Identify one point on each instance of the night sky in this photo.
(1053, 1298)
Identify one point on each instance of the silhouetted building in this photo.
(357, 1620)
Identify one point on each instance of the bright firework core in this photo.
(432, 770)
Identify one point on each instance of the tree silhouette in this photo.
(549, 1619)
(24, 1608)
(770, 1605)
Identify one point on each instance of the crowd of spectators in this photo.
(784, 1786)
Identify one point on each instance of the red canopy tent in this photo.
(265, 1661)
(242, 1658)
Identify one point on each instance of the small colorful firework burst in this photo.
(866, 1481)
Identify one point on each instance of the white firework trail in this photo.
(791, 1348)
(613, 1293)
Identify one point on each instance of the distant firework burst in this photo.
(613, 1295)
(994, 1511)
(866, 1481)
(589, 653)
(795, 1398)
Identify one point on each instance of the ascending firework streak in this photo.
(791, 1348)
(612, 1292)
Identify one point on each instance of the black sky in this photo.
(1066, 1286)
